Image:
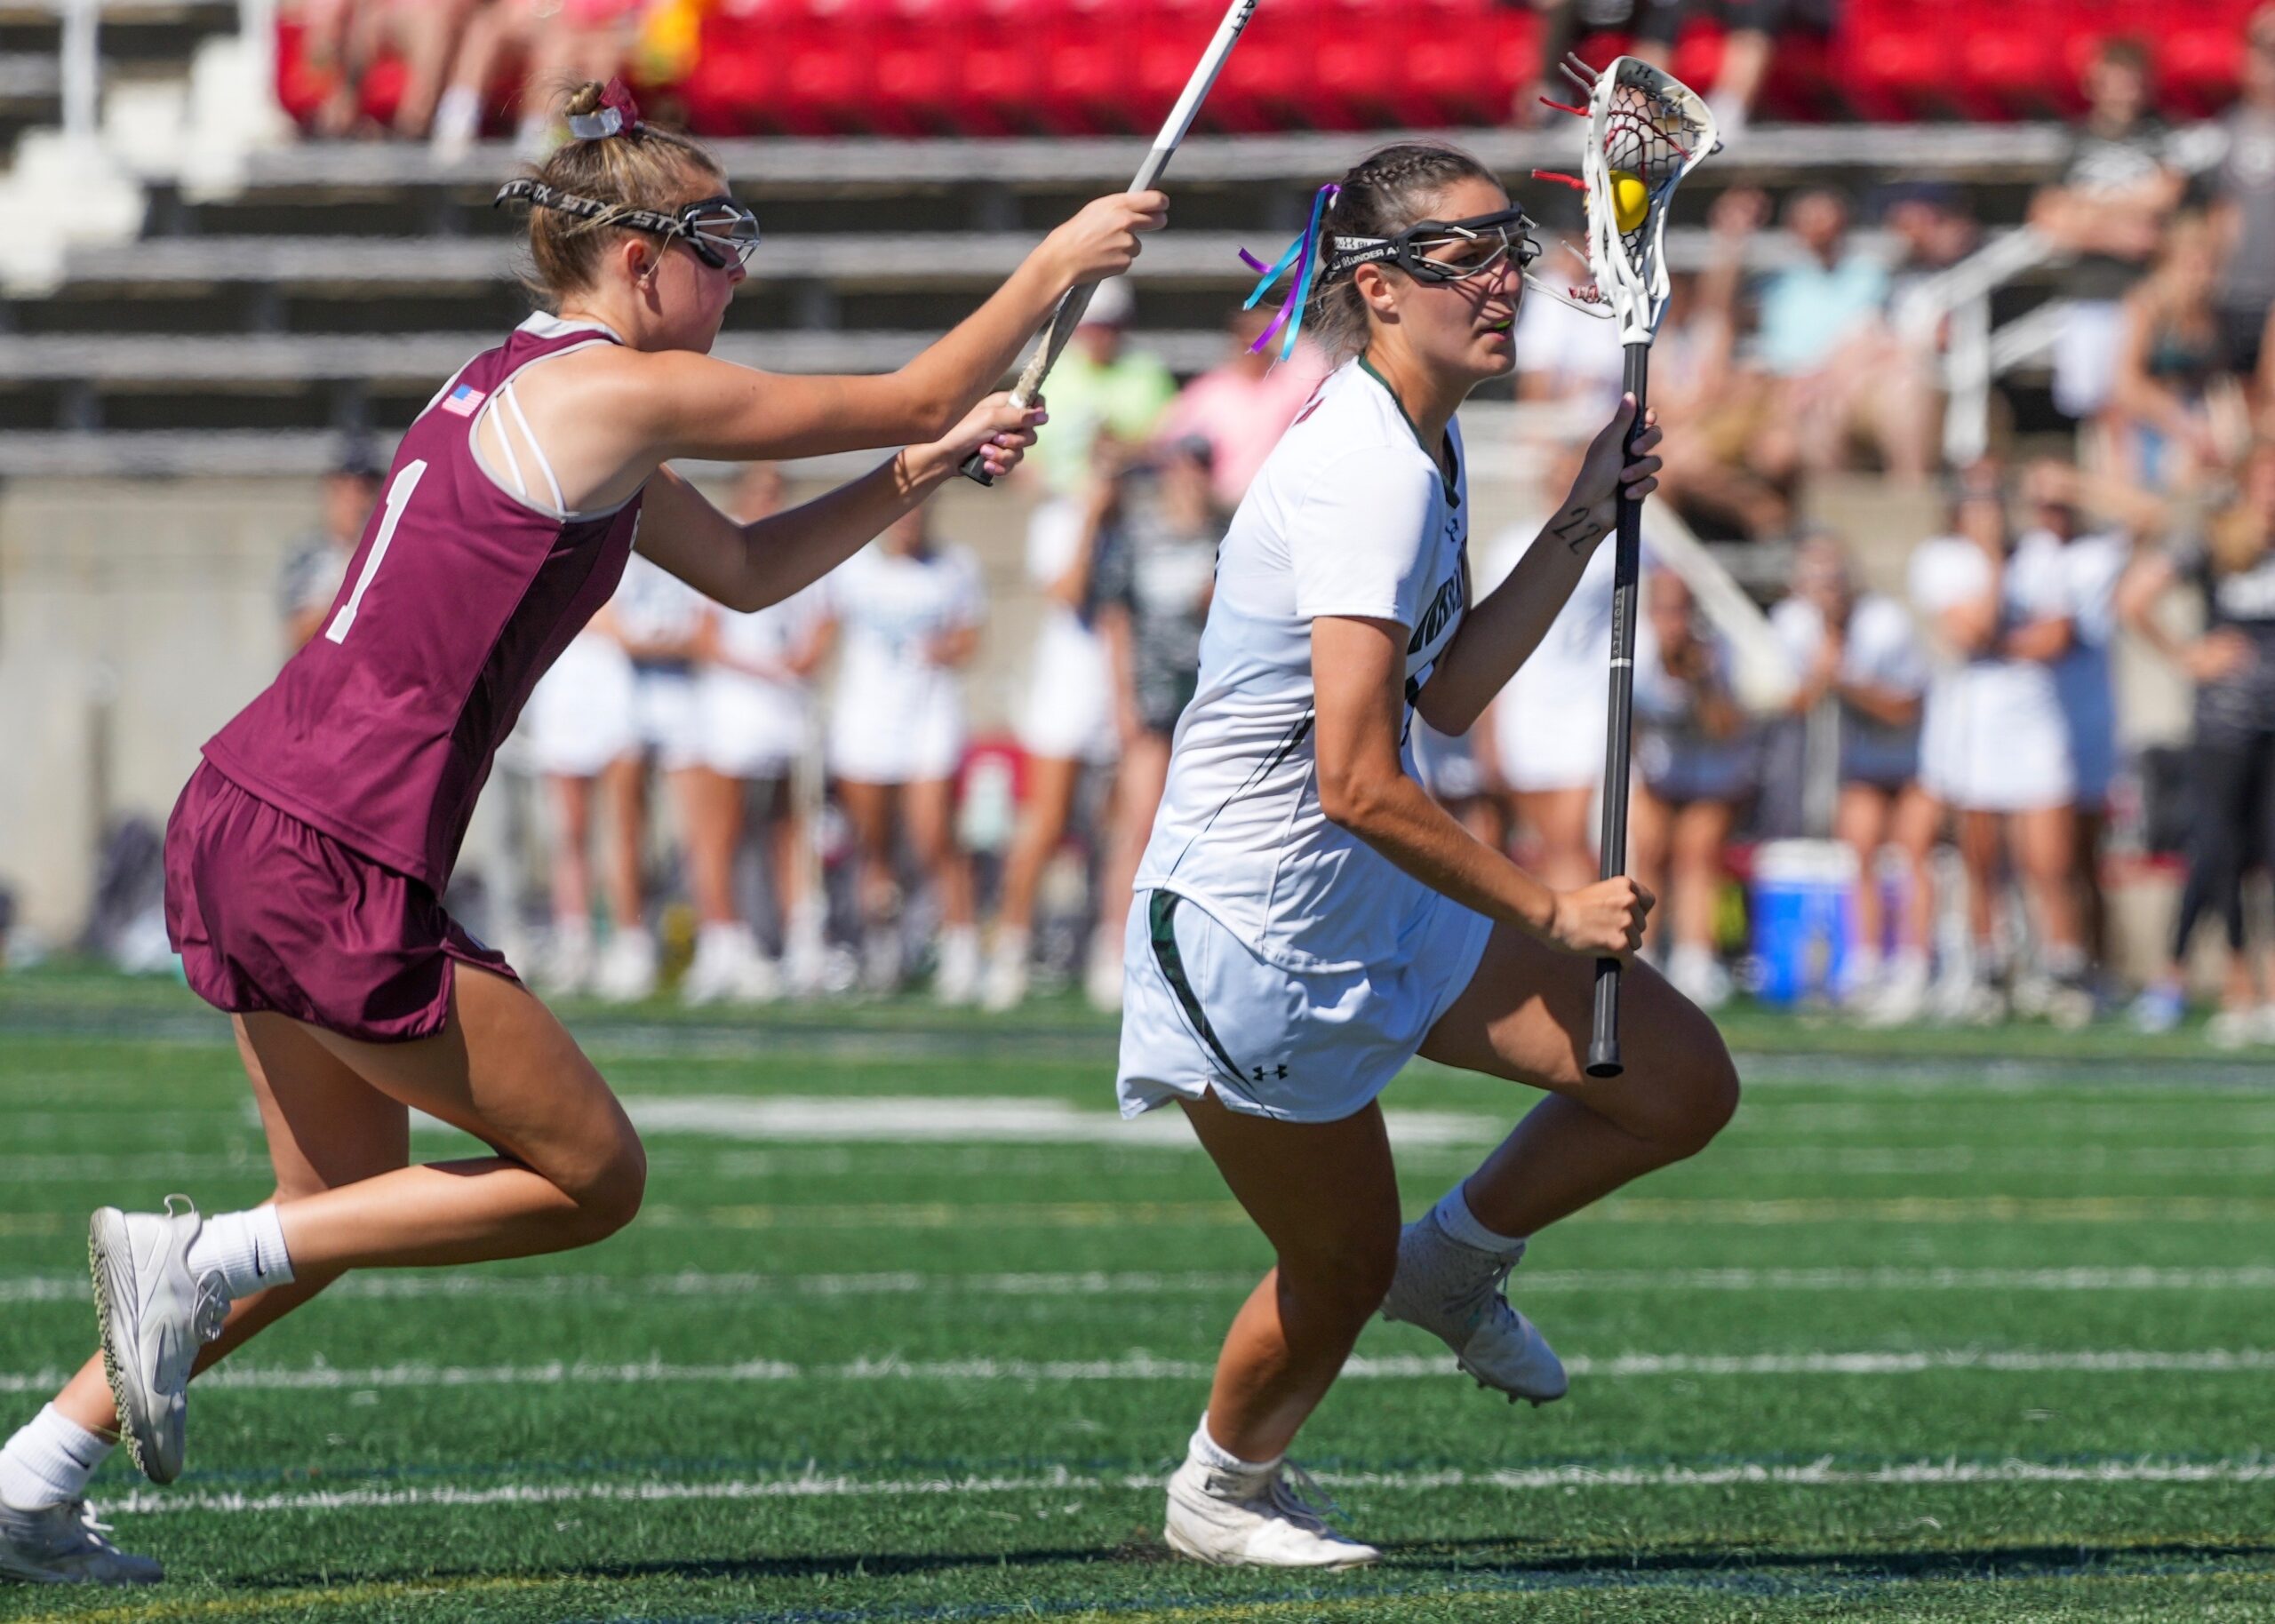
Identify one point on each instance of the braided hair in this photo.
(1385, 192)
(640, 166)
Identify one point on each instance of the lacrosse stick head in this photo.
(1647, 130)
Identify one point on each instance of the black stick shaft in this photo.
(1603, 1041)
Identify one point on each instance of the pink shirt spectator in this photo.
(1241, 409)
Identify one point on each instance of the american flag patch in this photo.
(463, 400)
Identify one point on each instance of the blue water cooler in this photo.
(1803, 891)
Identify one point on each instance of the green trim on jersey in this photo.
(1437, 461)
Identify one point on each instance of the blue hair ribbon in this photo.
(1303, 257)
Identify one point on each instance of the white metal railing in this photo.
(1973, 355)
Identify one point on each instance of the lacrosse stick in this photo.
(1077, 299)
(1646, 131)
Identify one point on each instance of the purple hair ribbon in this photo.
(1302, 258)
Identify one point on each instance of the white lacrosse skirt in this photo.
(1201, 1011)
(667, 715)
(578, 718)
(751, 727)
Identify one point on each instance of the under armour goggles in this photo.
(718, 230)
(1486, 240)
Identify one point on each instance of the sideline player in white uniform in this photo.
(1548, 725)
(1067, 724)
(1308, 918)
(1860, 650)
(910, 612)
(657, 617)
(2090, 563)
(579, 724)
(1994, 744)
(753, 714)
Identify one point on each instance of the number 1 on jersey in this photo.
(399, 498)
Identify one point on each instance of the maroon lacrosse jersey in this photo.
(382, 730)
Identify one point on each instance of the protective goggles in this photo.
(718, 230)
(1480, 243)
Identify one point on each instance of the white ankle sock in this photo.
(1461, 1224)
(50, 1461)
(246, 1249)
(1214, 1455)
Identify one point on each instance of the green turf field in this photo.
(1948, 1326)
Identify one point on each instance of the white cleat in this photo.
(1255, 1520)
(1458, 1293)
(153, 1316)
(628, 969)
(64, 1545)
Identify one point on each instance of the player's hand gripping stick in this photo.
(1076, 299)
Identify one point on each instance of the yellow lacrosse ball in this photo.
(1630, 200)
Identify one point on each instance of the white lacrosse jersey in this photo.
(1349, 516)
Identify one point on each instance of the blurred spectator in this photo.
(1731, 460)
(1823, 330)
(317, 563)
(1747, 48)
(1649, 25)
(2243, 207)
(1101, 385)
(1858, 649)
(910, 613)
(2108, 210)
(1068, 724)
(1549, 725)
(754, 705)
(1243, 404)
(351, 36)
(1994, 746)
(558, 42)
(2173, 410)
(2229, 566)
(1695, 768)
(2090, 563)
(660, 619)
(1158, 575)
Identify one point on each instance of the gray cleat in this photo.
(64, 1545)
(153, 1316)
(1459, 1294)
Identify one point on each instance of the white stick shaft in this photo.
(1077, 299)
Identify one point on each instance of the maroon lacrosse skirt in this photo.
(272, 915)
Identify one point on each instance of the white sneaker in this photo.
(728, 966)
(1699, 976)
(626, 972)
(1902, 996)
(1459, 1295)
(567, 964)
(2235, 1029)
(956, 981)
(153, 1316)
(1102, 975)
(1254, 1520)
(64, 1545)
(1005, 985)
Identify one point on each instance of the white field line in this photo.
(1145, 1366)
(815, 1484)
(1439, 1136)
(471, 1285)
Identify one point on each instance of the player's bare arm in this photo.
(693, 405)
(748, 566)
(1359, 675)
(1501, 632)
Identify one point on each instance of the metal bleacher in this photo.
(331, 291)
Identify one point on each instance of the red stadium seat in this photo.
(1088, 86)
(1266, 83)
(1004, 70)
(919, 66)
